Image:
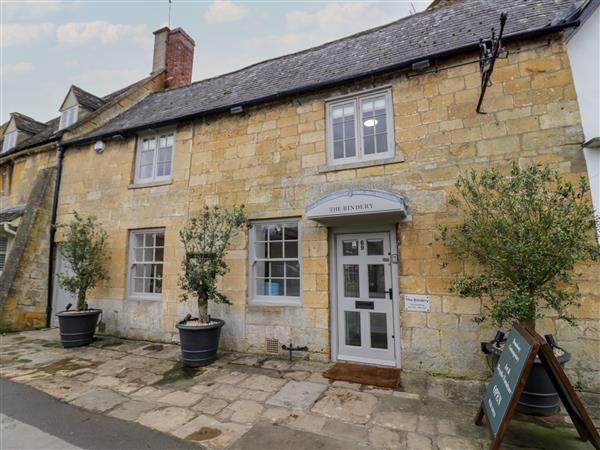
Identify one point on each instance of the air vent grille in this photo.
(272, 345)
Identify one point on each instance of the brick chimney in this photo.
(173, 53)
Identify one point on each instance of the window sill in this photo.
(144, 299)
(278, 303)
(362, 164)
(150, 184)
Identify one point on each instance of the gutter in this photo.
(60, 154)
(323, 85)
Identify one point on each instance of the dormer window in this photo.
(68, 117)
(10, 140)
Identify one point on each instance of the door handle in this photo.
(390, 293)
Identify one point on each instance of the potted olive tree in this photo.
(84, 248)
(205, 240)
(526, 231)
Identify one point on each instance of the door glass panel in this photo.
(350, 248)
(352, 328)
(378, 323)
(376, 281)
(351, 284)
(375, 247)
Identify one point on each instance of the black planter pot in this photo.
(77, 328)
(539, 398)
(199, 344)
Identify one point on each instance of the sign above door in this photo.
(356, 204)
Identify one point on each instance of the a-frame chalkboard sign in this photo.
(514, 366)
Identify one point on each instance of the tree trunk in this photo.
(202, 308)
(81, 299)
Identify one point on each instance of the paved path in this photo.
(243, 402)
(31, 420)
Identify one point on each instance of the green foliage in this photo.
(205, 239)
(84, 248)
(527, 231)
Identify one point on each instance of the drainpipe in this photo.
(60, 154)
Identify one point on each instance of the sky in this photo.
(104, 45)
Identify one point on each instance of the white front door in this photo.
(364, 298)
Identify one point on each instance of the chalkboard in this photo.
(504, 383)
(514, 366)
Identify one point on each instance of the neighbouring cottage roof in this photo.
(27, 124)
(87, 99)
(48, 131)
(10, 214)
(449, 27)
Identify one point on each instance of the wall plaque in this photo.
(414, 302)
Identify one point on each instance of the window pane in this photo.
(292, 269)
(148, 254)
(274, 287)
(138, 271)
(380, 105)
(160, 240)
(146, 171)
(375, 247)
(376, 281)
(163, 169)
(262, 269)
(138, 285)
(158, 286)
(350, 248)
(369, 143)
(159, 254)
(381, 125)
(148, 239)
(351, 283)
(350, 148)
(164, 154)
(261, 232)
(378, 323)
(337, 113)
(338, 131)
(349, 129)
(275, 232)
(382, 146)
(338, 150)
(277, 269)
(292, 288)
(291, 249)
(275, 250)
(170, 140)
(139, 254)
(352, 328)
(348, 110)
(261, 250)
(261, 286)
(291, 232)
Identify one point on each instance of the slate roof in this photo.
(49, 131)
(10, 214)
(27, 124)
(87, 99)
(449, 27)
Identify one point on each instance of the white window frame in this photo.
(68, 117)
(357, 100)
(5, 174)
(281, 300)
(10, 141)
(4, 248)
(132, 262)
(138, 180)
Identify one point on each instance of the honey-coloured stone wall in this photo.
(273, 160)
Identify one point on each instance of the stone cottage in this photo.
(344, 155)
(29, 166)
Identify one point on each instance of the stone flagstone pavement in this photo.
(264, 402)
